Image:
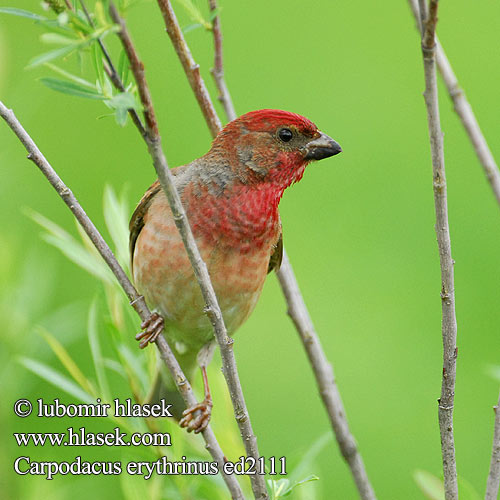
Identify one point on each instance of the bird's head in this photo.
(271, 147)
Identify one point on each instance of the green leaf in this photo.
(191, 27)
(112, 364)
(283, 487)
(121, 116)
(95, 348)
(309, 457)
(100, 13)
(21, 13)
(71, 76)
(56, 38)
(494, 372)
(123, 68)
(67, 361)
(98, 64)
(71, 88)
(134, 365)
(57, 379)
(431, 486)
(121, 103)
(62, 51)
(91, 261)
(49, 56)
(116, 215)
(195, 13)
(123, 100)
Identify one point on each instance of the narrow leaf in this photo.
(56, 38)
(431, 486)
(49, 56)
(57, 379)
(73, 250)
(124, 100)
(71, 76)
(116, 215)
(67, 361)
(21, 13)
(95, 348)
(98, 64)
(71, 88)
(123, 68)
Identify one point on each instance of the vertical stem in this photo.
(463, 109)
(325, 379)
(218, 69)
(494, 474)
(449, 324)
(191, 68)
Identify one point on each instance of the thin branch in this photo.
(449, 323)
(296, 307)
(323, 372)
(494, 475)
(136, 301)
(200, 269)
(191, 68)
(465, 112)
(218, 69)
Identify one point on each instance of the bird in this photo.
(231, 197)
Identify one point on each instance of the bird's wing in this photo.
(137, 220)
(277, 255)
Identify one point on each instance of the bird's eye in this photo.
(285, 134)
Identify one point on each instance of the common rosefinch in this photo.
(231, 197)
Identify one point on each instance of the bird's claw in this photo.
(197, 423)
(151, 328)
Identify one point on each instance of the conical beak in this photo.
(322, 147)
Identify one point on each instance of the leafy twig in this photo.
(494, 474)
(465, 112)
(136, 301)
(113, 74)
(449, 323)
(200, 269)
(218, 69)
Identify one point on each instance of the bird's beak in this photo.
(320, 148)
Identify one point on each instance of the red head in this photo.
(271, 147)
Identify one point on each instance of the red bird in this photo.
(231, 197)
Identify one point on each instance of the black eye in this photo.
(285, 134)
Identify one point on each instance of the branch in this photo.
(218, 69)
(323, 372)
(200, 269)
(465, 112)
(449, 324)
(296, 307)
(136, 301)
(191, 69)
(494, 475)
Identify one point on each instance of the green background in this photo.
(359, 229)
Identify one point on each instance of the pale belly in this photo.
(163, 274)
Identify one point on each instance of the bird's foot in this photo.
(151, 328)
(197, 423)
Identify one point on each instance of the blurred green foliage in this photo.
(358, 228)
